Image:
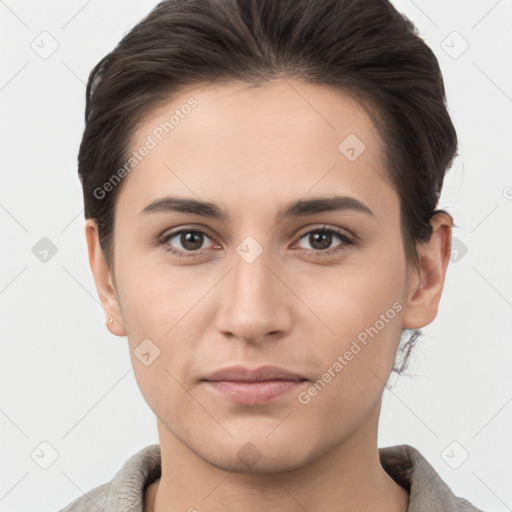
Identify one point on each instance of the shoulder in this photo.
(126, 490)
(427, 491)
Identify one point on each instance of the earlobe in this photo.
(427, 281)
(103, 280)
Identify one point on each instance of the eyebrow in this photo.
(298, 208)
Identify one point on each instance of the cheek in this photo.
(163, 328)
(157, 298)
(355, 297)
(354, 370)
(362, 310)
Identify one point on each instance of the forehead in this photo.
(277, 140)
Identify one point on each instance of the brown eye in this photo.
(191, 240)
(321, 240)
(187, 240)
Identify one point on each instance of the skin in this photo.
(253, 151)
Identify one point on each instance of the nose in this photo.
(255, 302)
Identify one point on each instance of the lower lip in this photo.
(254, 393)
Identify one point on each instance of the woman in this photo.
(260, 183)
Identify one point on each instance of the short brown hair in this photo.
(364, 47)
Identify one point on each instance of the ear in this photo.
(104, 280)
(426, 280)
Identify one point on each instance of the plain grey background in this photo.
(67, 382)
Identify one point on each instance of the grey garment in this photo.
(125, 492)
(427, 491)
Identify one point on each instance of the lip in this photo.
(262, 373)
(253, 386)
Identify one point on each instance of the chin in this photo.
(248, 460)
(257, 454)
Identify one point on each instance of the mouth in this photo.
(256, 386)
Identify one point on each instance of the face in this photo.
(274, 271)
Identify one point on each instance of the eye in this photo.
(191, 241)
(321, 239)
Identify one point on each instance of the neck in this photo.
(349, 477)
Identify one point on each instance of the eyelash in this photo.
(347, 242)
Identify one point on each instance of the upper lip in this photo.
(262, 373)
